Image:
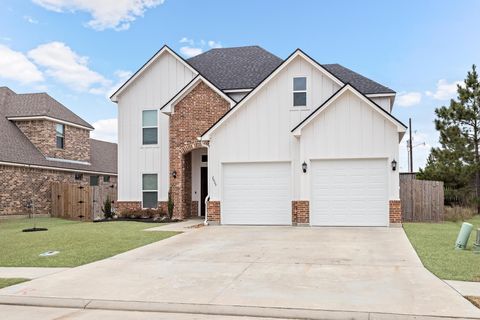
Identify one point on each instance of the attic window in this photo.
(300, 92)
(60, 136)
(149, 127)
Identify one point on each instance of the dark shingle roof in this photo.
(363, 84)
(41, 104)
(16, 148)
(235, 68)
(246, 67)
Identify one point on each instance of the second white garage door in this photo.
(349, 192)
(256, 193)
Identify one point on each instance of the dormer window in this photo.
(300, 92)
(60, 135)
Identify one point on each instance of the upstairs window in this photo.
(149, 127)
(300, 92)
(93, 181)
(149, 190)
(60, 135)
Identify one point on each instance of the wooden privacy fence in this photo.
(421, 200)
(75, 201)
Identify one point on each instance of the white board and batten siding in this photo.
(261, 131)
(151, 90)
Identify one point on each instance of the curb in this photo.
(211, 309)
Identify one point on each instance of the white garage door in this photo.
(349, 192)
(256, 194)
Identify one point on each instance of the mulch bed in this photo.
(146, 220)
(474, 300)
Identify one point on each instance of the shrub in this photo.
(458, 213)
(107, 208)
(170, 205)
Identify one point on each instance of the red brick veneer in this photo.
(395, 211)
(213, 211)
(300, 211)
(192, 116)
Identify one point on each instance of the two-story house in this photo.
(244, 137)
(41, 141)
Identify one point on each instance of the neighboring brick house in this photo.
(41, 141)
(241, 136)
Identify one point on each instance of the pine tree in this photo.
(457, 161)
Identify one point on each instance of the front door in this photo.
(203, 189)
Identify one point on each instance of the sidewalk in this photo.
(465, 288)
(28, 272)
(184, 226)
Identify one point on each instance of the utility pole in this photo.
(410, 148)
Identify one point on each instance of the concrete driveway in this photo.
(258, 271)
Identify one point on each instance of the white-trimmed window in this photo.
(149, 190)
(60, 135)
(149, 127)
(300, 91)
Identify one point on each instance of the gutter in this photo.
(13, 164)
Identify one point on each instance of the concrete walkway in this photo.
(465, 288)
(184, 226)
(27, 272)
(277, 272)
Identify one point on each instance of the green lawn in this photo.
(435, 243)
(5, 282)
(78, 242)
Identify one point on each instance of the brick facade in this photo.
(300, 211)
(18, 185)
(213, 211)
(395, 211)
(192, 116)
(42, 134)
(137, 205)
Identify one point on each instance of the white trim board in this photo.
(297, 131)
(29, 118)
(169, 107)
(165, 48)
(297, 53)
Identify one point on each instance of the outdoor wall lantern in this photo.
(304, 167)
(394, 165)
(174, 174)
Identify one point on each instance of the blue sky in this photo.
(80, 50)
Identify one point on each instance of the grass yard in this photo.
(78, 242)
(5, 282)
(435, 243)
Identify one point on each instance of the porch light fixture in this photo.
(394, 165)
(304, 167)
(174, 174)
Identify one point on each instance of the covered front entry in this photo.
(256, 193)
(349, 192)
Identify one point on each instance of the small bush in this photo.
(170, 205)
(107, 208)
(457, 213)
(142, 213)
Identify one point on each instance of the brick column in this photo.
(300, 211)
(395, 211)
(213, 211)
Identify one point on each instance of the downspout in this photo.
(205, 222)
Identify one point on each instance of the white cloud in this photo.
(105, 14)
(122, 76)
(14, 65)
(194, 48)
(214, 44)
(187, 40)
(190, 51)
(105, 130)
(69, 68)
(444, 90)
(408, 99)
(30, 20)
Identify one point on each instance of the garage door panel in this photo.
(256, 193)
(349, 192)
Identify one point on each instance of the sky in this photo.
(79, 51)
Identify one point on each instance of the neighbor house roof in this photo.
(16, 149)
(246, 67)
(41, 105)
